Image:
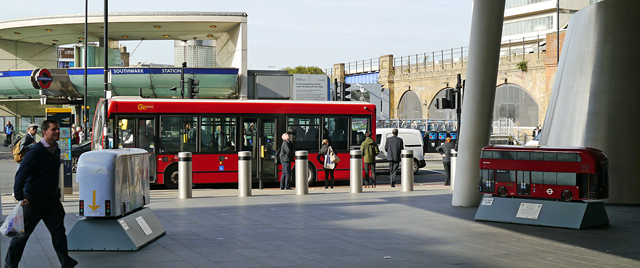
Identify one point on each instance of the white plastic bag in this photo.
(13, 225)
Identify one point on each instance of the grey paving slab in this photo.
(276, 228)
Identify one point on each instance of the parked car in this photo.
(412, 140)
(76, 151)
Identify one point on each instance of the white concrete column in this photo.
(482, 70)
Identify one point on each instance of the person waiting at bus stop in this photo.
(286, 157)
(328, 165)
(445, 151)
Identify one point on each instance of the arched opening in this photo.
(409, 106)
(441, 114)
(515, 103)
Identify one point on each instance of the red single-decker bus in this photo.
(544, 172)
(214, 131)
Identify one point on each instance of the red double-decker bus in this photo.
(544, 172)
(216, 130)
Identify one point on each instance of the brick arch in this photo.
(409, 106)
(515, 102)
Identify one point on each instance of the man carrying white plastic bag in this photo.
(36, 189)
(13, 225)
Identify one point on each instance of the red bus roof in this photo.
(548, 149)
(187, 106)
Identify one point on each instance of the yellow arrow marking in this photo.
(94, 207)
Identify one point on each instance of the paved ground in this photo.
(381, 227)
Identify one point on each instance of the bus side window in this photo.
(512, 176)
(550, 157)
(567, 179)
(537, 156)
(550, 178)
(359, 126)
(524, 156)
(536, 177)
(502, 176)
(487, 155)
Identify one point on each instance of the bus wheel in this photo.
(171, 177)
(566, 196)
(502, 191)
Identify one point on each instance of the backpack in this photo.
(15, 150)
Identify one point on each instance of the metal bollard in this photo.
(356, 171)
(61, 182)
(454, 162)
(185, 175)
(244, 174)
(406, 157)
(302, 172)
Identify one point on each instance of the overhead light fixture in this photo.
(157, 26)
(81, 38)
(49, 30)
(125, 36)
(16, 32)
(55, 40)
(213, 26)
(210, 35)
(39, 43)
(165, 36)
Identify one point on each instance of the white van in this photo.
(412, 140)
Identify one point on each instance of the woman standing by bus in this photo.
(328, 165)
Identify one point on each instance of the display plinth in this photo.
(573, 215)
(128, 233)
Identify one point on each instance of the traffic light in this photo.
(192, 89)
(451, 99)
(345, 92)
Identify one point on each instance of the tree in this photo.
(304, 70)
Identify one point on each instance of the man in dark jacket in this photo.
(286, 157)
(36, 188)
(393, 147)
(445, 151)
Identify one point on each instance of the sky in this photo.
(288, 33)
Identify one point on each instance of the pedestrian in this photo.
(393, 147)
(445, 151)
(36, 188)
(536, 131)
(80, 135)
(8, 130)
(286, 157)
(369, 149)
(75, 138)
(28, 140)
(329, 166)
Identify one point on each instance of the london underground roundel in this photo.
(44, 78)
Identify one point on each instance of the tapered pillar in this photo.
(482, 70)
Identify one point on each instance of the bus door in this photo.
(138, 132)
(259, 137)
(523, 179)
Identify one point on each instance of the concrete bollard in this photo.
(244, 174)
(406, 157)
(185, 175)
(356, 171)
(454, 161)
(61, 181)
(302, 172)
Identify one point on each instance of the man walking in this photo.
(369, 149)
(286, 157)
(393, 147)
(36, 188)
